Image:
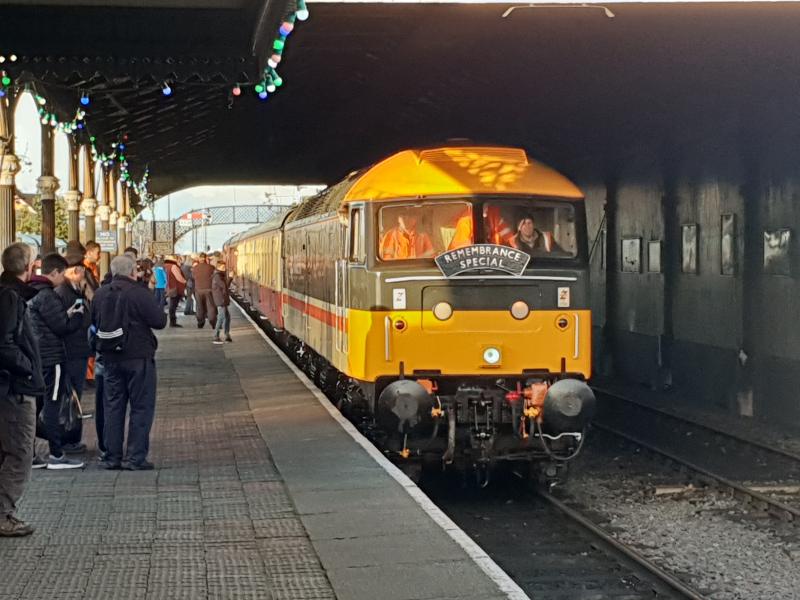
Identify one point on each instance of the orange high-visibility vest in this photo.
(463, 236)
(499, 232)
(398, 245)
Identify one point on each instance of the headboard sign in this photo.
(482, 257)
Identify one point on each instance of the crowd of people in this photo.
(62, 326)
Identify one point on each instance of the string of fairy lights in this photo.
(268, 83)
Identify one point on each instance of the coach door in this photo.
(340, 293)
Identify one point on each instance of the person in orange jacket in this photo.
(496, 228)
(404, 241)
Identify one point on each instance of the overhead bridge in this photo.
(166, 234)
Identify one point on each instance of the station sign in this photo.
(191, 219)
(483, 257)
(107, 241)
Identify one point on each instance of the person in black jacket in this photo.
(20, 381)
(124, 315)
(52, 324)
(76, 344)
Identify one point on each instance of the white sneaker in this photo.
(63, 463)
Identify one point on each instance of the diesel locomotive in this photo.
(440, 297)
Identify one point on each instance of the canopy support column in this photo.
(47, 185)
(9, 167)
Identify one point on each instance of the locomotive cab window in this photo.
(357, 251)
(542, 229)
(415, 231)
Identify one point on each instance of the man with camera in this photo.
(76, 343)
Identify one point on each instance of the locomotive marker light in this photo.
(492, 356)
(479, 257)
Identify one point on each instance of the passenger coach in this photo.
(441, 298)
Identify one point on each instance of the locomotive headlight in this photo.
(520, 310)
(442, 311)
(491, 356)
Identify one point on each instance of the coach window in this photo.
(357, 247)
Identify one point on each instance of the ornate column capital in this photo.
(72, 198)
(9, 167)
(112, 219)
(89, 206)
(47, 186)
(122, 222)
(103, 211)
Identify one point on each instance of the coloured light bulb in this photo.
(286, 28)
(85, 100)
(263, 95)
(166, 90)
(259, 88)
(6, 80)
(302, 10)
(236, 91)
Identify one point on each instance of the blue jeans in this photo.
(223, 321)
(129, 383)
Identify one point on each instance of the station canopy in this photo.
(579, 88)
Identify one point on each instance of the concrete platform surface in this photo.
(259, 492)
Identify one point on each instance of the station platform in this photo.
(260, 491)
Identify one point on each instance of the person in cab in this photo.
(403, 241)
(496, 229)
(531, 240)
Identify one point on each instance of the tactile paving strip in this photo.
(214, 520)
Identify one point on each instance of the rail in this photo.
(660, 574)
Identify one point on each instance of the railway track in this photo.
(728, 461)
(549, 548)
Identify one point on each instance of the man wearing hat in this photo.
(76, 343)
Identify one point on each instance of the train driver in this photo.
(529, 239)
(403, 241)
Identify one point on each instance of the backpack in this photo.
(113, 323)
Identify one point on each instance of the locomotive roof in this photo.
(445, 171)
(460, 170)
